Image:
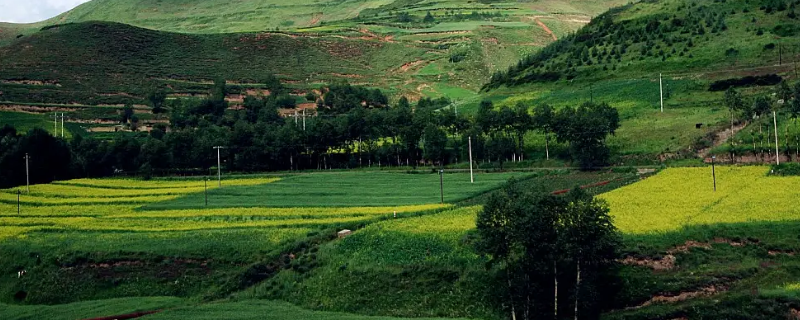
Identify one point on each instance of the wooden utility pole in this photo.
(471, 176)
(219, 165)
(661, 86)
(27, 174)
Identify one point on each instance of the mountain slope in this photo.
(624, 55)
(219, 16)
(109, 63)
(672, 36)
(216, 16)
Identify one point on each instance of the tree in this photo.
(543, 117)
(428, 18)
(536, 240)
(157, 97)
(127, 113)
(586, 129)
(734, 103)
(435, 144)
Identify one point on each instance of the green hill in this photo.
(110, 63)
(618, 58)
(384, 44)
(218, 16)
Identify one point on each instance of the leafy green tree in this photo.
(429, 18)
(536, 241)
(157, 97)
(543, 120)
(734, 102)
(127, 113)
(586, 128)
(434, 147)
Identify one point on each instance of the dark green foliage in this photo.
(585, 128)
(748, 81)
(536, 240)
(148, 60)
(50, 158)
(428, 18)
(786, 169)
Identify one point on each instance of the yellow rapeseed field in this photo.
(113, 205)
(680, 197)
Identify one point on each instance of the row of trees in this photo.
(760, 111)
(351, 127)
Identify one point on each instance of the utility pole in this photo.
(55, 124)
(471, 176)
(219, 165)
(27, 174)
(295, 118)
(661, 86)
(441, 183)
(62, 124)
(304, 119)
(714, 172)
(777, 152)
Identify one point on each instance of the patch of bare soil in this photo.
(315, 18)
(34, 109)
(667, 262)
(721, 138)
(167, 269)
(440, 33)
(683, 296)
(410, 65)
(546, 29)
(781, 252)
(32, 82)
(257, 92)
(127, 316)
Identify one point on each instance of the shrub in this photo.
(786, 169)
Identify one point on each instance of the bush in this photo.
(786, 169)
(765, 80)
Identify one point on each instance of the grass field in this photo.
(24, 122)
(89, 239)
(346, 190)
(413, 259)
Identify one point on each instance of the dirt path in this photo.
(721, 138)
(127, 316)
(546, 29)
(315, 19)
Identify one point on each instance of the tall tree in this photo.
(543, 117)
(537, 240)
(586, 129)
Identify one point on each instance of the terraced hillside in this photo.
(383, 44)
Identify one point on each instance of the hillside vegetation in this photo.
(623, 54)
(384, 44)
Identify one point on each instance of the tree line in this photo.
(761, 112)
(351, 127)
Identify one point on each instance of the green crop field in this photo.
(414, 259)
(347, 189)
(24, 122)
(90, 239)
